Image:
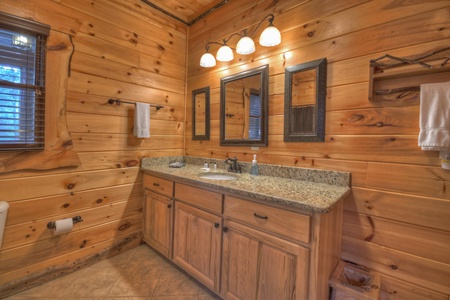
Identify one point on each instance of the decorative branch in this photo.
(405, 61)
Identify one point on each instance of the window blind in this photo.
(255, 116)
(22, 83)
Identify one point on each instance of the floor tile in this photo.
(94, 282)
(138, 274)
(174, 283)
(51, 289)
(136, 281)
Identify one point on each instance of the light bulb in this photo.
(271, 36)
(207, 60)
(225, 54)
(245, 46)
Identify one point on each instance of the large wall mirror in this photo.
(200, 114)
(244, 108)
(304, 102)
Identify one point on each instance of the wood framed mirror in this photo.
(200, 114)
(304, 102)
(244, 108)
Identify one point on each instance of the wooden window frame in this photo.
(32, 96)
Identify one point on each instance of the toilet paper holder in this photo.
(76, 219)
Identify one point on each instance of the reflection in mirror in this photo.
(200, 114)
(243, 118)
(305, 91)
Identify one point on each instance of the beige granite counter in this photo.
(309, 189)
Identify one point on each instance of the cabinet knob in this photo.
(225, 229)
(216, 225)
(169, 205)
(260, 217)
(155, 184)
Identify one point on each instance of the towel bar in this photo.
(118, 102)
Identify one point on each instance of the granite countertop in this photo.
(319, 194)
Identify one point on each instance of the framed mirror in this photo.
(244, 108)
(305, 89)
(200, 114)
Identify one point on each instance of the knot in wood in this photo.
(131, 163)
(83, 244)
(124, 226)
(70, 186)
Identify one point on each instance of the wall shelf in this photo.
(398, 79)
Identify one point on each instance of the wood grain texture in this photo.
(141, 58)
(397, 188)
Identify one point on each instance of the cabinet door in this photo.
(197, 240)
(158, 222)
(257, 265)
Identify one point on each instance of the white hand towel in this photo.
(435, 116)
(142, 120)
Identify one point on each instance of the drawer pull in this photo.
(216, 225)
(260, 217)
(225, 229)
(169, 205)
(156, 184)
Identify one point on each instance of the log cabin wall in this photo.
(122, 49)
(397, 220)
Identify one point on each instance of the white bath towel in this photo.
(435, 116)
(142, 120)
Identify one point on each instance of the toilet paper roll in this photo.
(63, 226)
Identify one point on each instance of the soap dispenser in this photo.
(254, 169)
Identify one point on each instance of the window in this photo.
(22, 83)
(255, 116)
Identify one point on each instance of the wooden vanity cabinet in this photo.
(257, 265)
(158, 214)
(198, 234)
(258, 261)
(243, 249)
(197, 244)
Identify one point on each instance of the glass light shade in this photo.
(271, 36)
(224, 54)
(245, 46)
(207, 60)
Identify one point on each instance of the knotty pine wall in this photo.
(126, 50)
(397, 220)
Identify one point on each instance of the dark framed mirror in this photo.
(200, 114)
(305, 89)
(244, 108)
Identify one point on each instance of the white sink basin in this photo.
(218, 176)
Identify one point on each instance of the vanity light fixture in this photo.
(269, 37)
(225, 53)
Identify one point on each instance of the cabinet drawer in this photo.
(159, 185)
(201, 198)
(276, 220)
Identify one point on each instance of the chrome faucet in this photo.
(233, 165)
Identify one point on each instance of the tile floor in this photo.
(138, 274)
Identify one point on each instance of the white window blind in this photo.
(255, 116)
(22, 83)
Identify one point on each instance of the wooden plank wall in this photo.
(126, 50)
(397, 220)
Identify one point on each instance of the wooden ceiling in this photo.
(185, 10)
